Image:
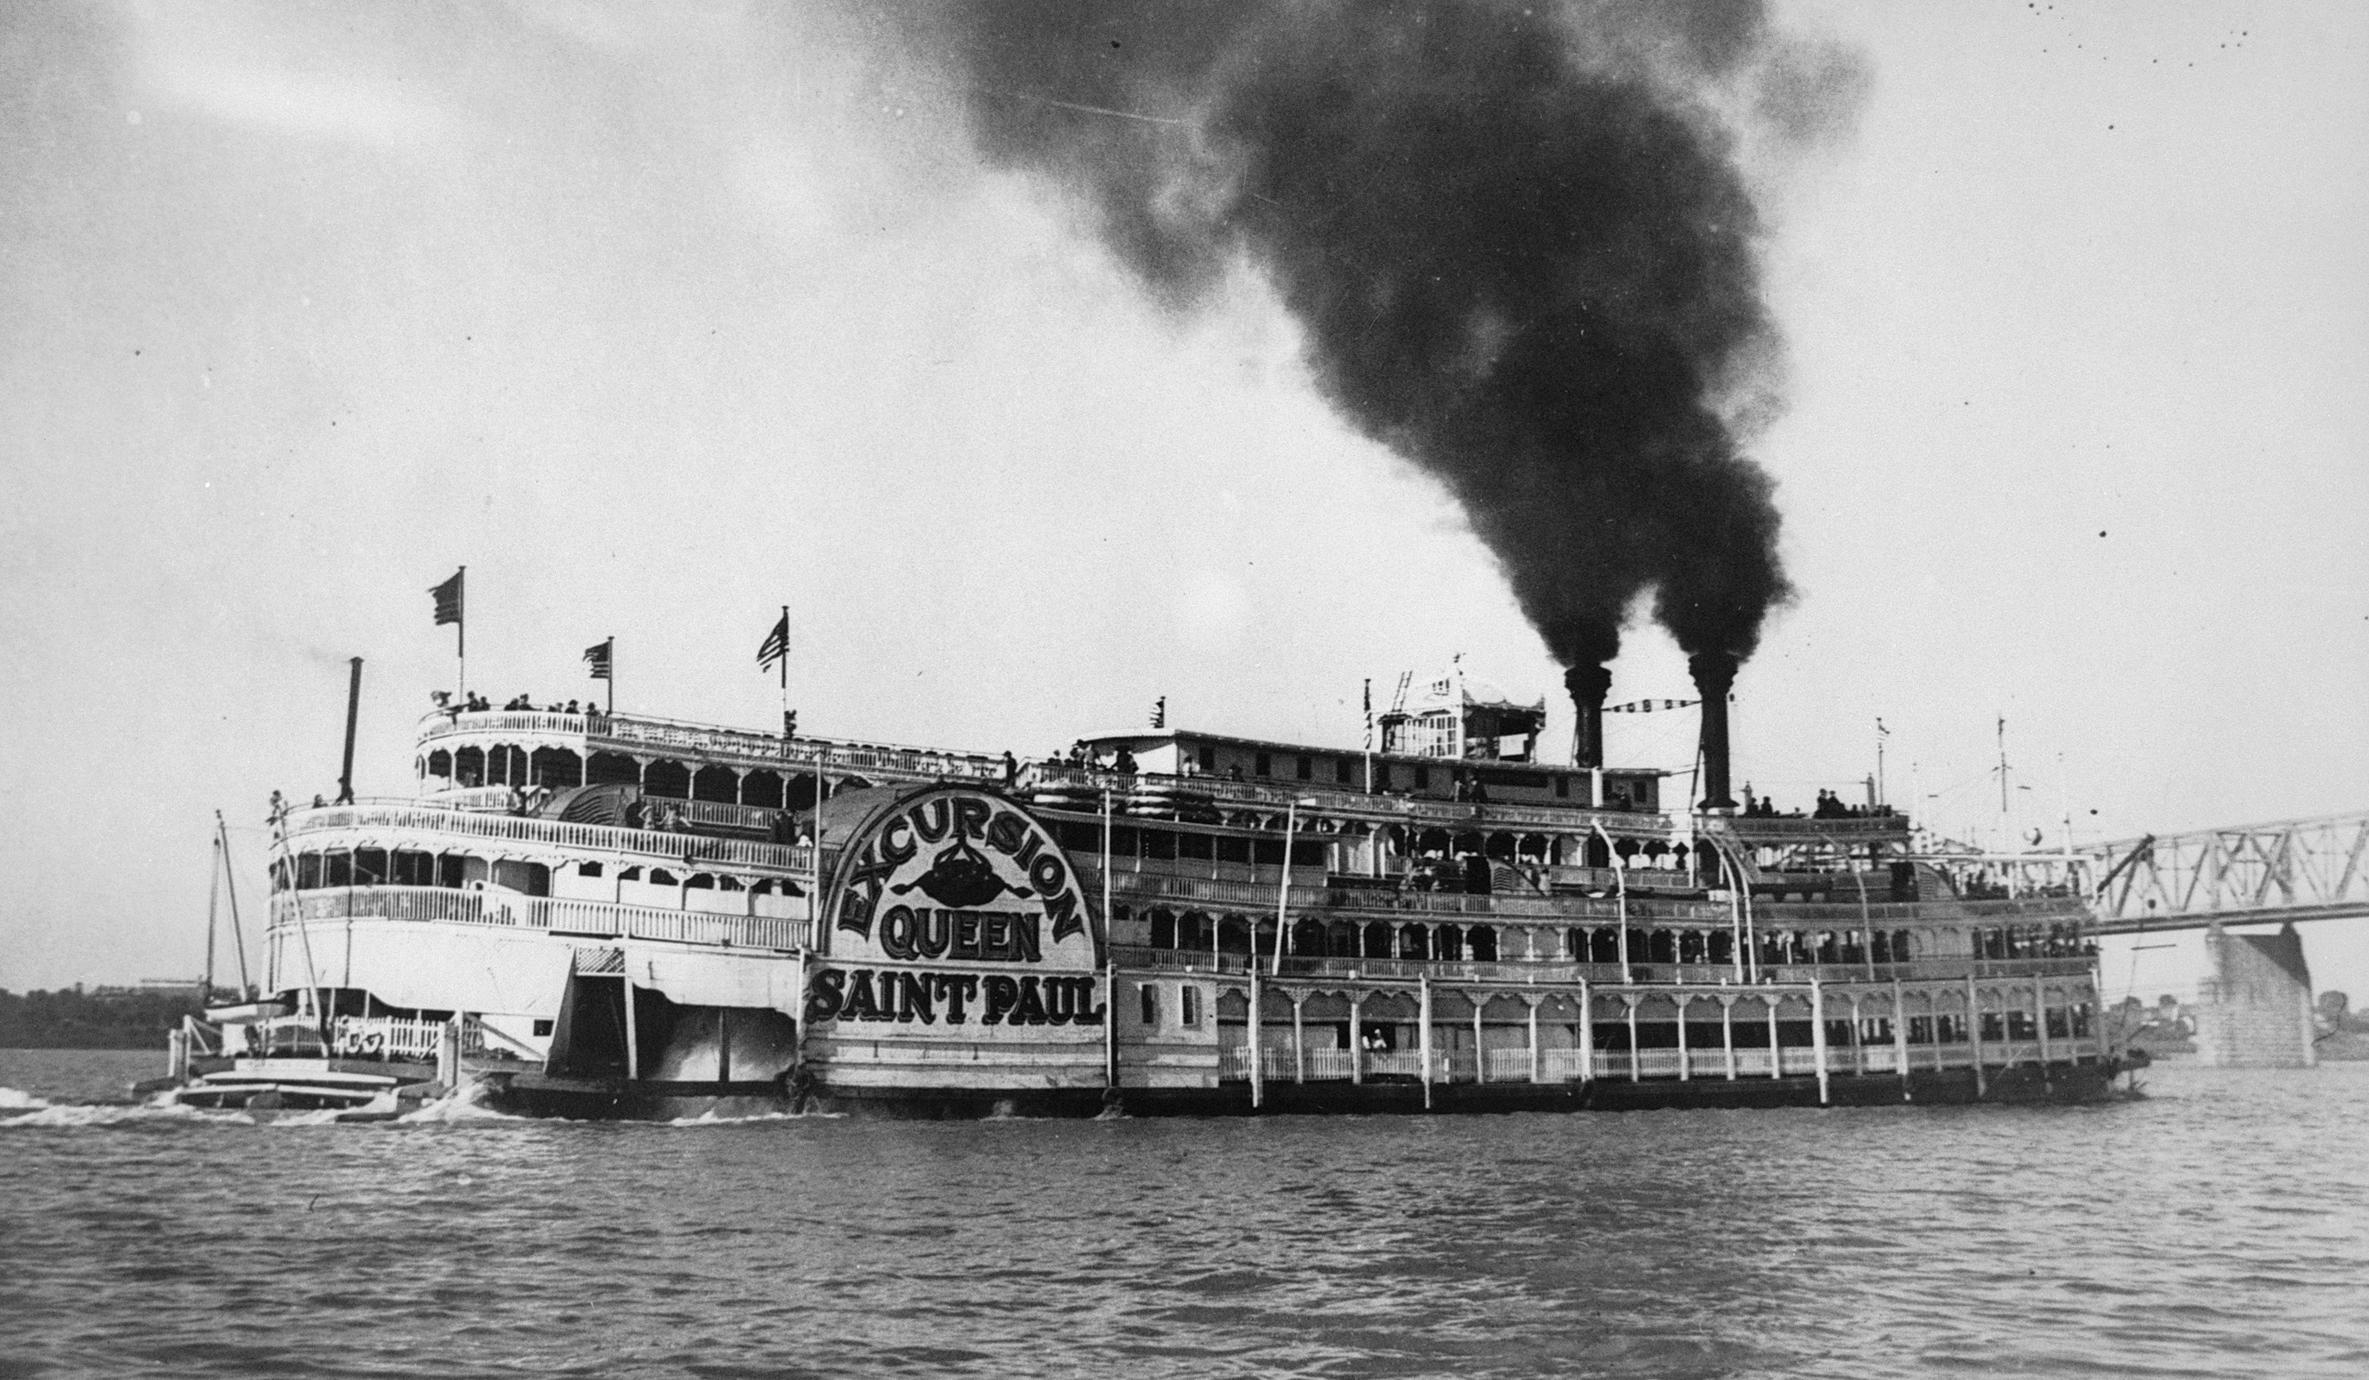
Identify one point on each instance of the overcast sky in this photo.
(660, 318)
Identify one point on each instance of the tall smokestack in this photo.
(353, 711)
(1588, 686)
(1714, 675)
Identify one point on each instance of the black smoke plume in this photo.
(1518, 238)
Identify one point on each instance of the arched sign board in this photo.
(955, 921)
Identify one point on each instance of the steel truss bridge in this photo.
(2293, 870)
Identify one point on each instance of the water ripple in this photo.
(2220, 1227)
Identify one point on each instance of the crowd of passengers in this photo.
(473, 703)
(1830, 806)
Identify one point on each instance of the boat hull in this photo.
(583, 1099)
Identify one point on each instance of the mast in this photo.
(230, 887)
(213, 895)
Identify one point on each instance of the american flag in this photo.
(596, 656)
(448, 598)
(776, 646)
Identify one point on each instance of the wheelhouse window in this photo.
(1151, 1003)
(1305, 768)
(1263, 765)
(1188, 1007)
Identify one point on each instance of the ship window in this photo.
(629, 874)
(659, 876)
(588, 869)
(1306, 767)
(1122, 842)
(557, 767)
(1188, 1010)
(1233, 849)
(1159, 845)
(542, 1028)
(1194, 846)
(1422, 778)
(1151, 1004)
(1381, 776)
(1307, 852)
(1270, 852)
(1341, 770)
(370, 866)
(415, 869)
(1208, 758)
(1163, 930)
(340, 870)
(670, 779)
(308, 871)
(440, 764)
(1562, 787)
(701, 881)
(1264, 765)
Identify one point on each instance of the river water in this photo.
(2218, 1227)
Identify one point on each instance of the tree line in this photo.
(72, 1019)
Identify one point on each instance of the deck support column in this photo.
(633, 1043)
(1357, 1037)
(1532, 1003)
(1776, 1057)
(1480, 1058)
(1818, 1035)
(1423, 1036)
(1682, 1001)
(1900, 1035)
(1587, 1033)
(1727, 1033)
(1299, 1039)
(1974, 1033)
(2040, 1016)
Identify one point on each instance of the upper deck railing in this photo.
(644, 731)
(1543, 971)
(1779, 830)
(1153, 789)
(690, 849)
(558, 915)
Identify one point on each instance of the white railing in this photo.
(559, 915)
(1233, 1061)
(1508, 1065)
(1087, 784)
(1406, 1063)
(1331, 1065)
(1560, 1065)
(686, 849)
(446, 723)
(1384, 902)
(386, 1037)
(1750, 1063)
(1788, 914)
(811, 753)
(1798, 1060)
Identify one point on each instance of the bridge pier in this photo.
(2254, 1007)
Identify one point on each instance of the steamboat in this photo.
(588, 914)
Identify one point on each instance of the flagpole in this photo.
(460, 624)
(612, 677)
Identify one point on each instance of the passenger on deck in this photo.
(1124, 762)
(1011, 770)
